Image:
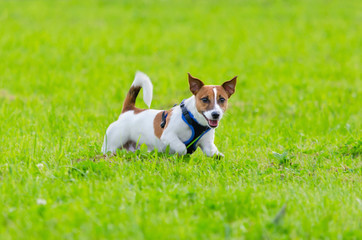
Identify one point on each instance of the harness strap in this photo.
(163, 121)
(197, 130)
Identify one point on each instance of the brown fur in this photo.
(138, 110)
(195, 84)
(208, 91)
(157, 123)
(200, 91)
(130, 101)
(229, 86)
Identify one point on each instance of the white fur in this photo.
(216, 108)
(139, 127)
(142, 80)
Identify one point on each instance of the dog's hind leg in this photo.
(115, 138)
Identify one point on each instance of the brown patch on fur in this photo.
(130, 101)
(208, 92)
(158, 130)
(138, 110)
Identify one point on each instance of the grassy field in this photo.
(291, 137)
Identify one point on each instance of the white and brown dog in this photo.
(183, 128)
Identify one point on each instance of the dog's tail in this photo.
(141, 80)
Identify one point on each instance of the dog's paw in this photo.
(180, 152)
(219, 155)
(183, 152)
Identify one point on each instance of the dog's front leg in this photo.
(176, 145)
(208, 147)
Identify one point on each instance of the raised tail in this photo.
(141, 80)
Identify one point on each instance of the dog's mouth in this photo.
(212, 123)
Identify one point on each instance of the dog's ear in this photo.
(229, 86)
(195, 84)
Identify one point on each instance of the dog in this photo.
(183, 128)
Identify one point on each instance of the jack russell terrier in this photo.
(183, 128)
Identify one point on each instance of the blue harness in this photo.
(197, 130)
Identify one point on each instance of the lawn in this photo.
(291, 136)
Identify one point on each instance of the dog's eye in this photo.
(222, 99)
(205, 100)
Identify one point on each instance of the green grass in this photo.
(291, 137)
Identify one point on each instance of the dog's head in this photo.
(211, 101)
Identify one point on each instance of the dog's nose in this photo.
(215, 115)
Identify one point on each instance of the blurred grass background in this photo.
(67, 65)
